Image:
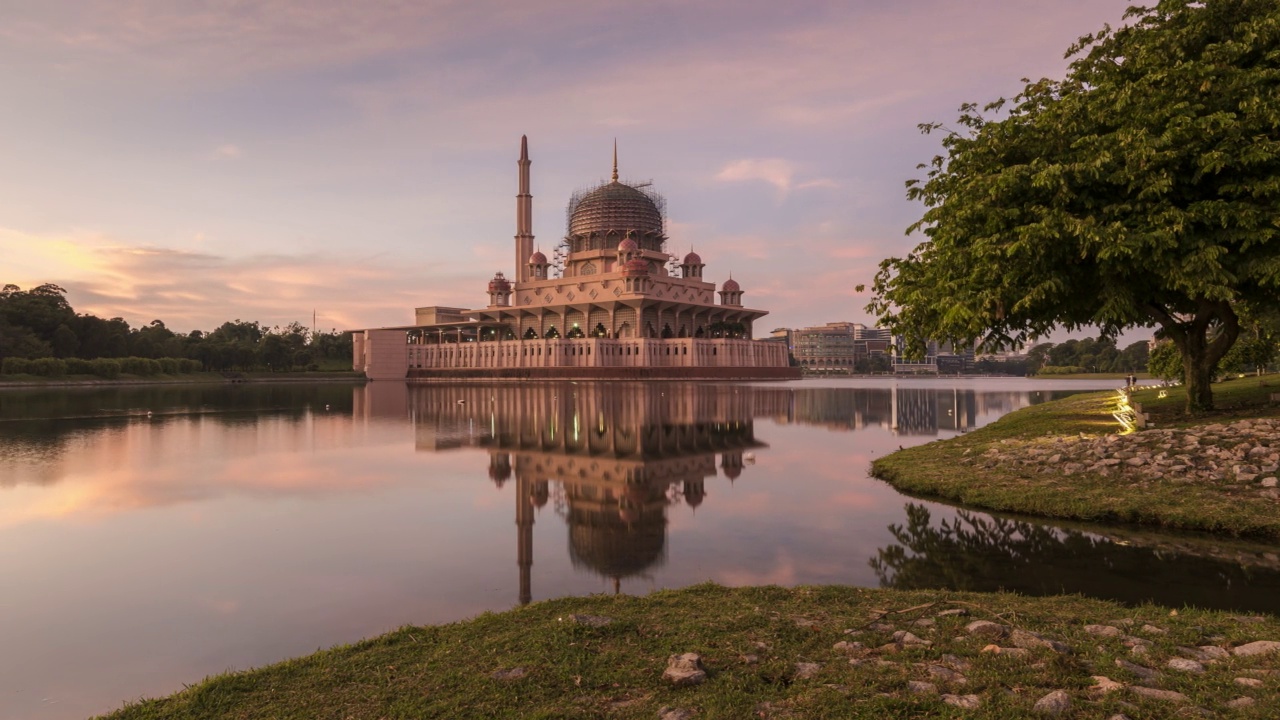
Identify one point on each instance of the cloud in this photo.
(775, 171)
(201, 290)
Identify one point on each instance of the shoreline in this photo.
(127, 382)
(1070, 459)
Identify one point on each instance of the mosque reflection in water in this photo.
(613, 458)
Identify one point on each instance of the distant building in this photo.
(940, 357)
(837, 347)
(608, 303)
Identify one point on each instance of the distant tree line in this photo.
(1087, 356)
(39, 325)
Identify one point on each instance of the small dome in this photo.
(628, 245)
(499, 283)
(635, 267)
(616, 207)
(537, 258)
(731, 285)
(692, 259)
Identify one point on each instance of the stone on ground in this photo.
(1261, 647)
(670, 713)
(1155, 694)
(805, 670)
(1055, 703)
(987, 629)
(685, 670)
(1185, 665)
(1249, 682)
(968, 702)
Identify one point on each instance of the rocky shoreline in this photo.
(1241, 457)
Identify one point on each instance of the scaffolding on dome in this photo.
(645, 187)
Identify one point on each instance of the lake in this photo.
(151, 536)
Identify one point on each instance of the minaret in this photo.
(615, 159)
(524, 215)
(524, 536)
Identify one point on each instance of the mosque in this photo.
(608, 304)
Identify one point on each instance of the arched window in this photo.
(552, 333)
(530, 334)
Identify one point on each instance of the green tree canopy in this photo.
(1141, 190)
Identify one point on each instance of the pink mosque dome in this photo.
(628, 245)
(617, 207)
(499, 283)
(692, 258)
(731, 285)
(537, 258)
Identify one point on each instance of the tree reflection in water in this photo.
(979, 552)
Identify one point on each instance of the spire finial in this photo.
(615, 159)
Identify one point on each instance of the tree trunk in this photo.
(1203, 341)
(1197, 374)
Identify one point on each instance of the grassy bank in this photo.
(947, 469)
(1092, 376)
(768, 652)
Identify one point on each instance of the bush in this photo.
(139, 366)
(1061, 370)
(106, 368)
(48, 367)
(188, 365)
(168, 366)
(76, 366)
(15, 366)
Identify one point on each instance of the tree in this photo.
(1165, 362)
(1141, 190)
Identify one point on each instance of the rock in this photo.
(1185, 665)
(509, 674)
(987, 629)
(750, 659)
(805, 670)
(922, 688)
(1103, 630)
(1031, 641)
(1119, 716)
(968, 702)
(1145, 673)
(1135, 461)
(1240, 703)
(1111, 462)
(845, 646)
(924, 622)
(1103, 685)
(685, 670)
(958, 663)
(1055, 703)
(1269, 482)
(1261, 647)
(880, 627)
(906, 639)
(670, 713)
(953, 612)
(946, 675)
(1154, 630)
(1213, 652)
(1154, 694)
(1249, 682)
(1137, 645)
(590, 620)
(1011, 652)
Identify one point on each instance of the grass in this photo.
(1093, 376)
(937, 469)
(578, 671)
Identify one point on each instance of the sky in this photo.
(208, 160)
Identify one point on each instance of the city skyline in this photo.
(266, 161)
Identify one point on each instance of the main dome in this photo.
(614, 206)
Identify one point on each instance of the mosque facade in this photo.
(612, 302)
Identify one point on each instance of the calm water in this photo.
(152, 536)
